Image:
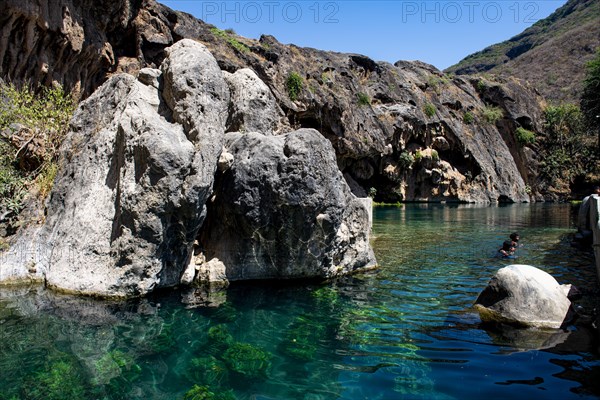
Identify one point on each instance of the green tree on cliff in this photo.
(590, 99)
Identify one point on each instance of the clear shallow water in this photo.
(404, 332)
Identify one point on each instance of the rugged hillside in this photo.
(551, 54)
(406, 130)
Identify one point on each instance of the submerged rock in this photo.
(527, 296)
(515, 339)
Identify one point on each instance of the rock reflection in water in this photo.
(513, 339)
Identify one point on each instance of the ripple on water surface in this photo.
(404, 332)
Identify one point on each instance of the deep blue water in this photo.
(405, 331)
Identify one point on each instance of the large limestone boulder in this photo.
(283, 210)
(139, 165)
(527, 296)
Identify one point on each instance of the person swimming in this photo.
(515, 238)
(507, 250)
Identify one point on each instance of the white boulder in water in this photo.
(527, 296)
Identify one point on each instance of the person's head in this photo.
(508, 245)
(596, 190)
(515, 237)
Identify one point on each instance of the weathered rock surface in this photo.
(387, 142)
(253, 107)
(71, 42)
(527, 296)
(283, 210)
(128, 205)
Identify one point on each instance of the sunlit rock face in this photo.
(126, 212)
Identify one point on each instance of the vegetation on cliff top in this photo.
(590, 98)
(229, 36)
(32, 128)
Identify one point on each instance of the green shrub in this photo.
(45, 180)
(436, 82)
(228, 35)
(405, 160)
(567, 148)
(48, 112)
(468, 117)
(524, 136)
(219, 32)
(372, 192)
(418, 156)
(491, 115)
(434, 155)
(241, 47)
(363, 99)
(294, 84)
(12, 181)
(429, 109)
(590, 97)
(45, 116)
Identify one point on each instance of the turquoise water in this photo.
(403, 332)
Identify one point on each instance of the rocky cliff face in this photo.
(126, 214)
(406, 130)
(72, 42)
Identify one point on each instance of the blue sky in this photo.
(439, 32)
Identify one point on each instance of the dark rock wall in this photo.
(405, 110)
(75, 43)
